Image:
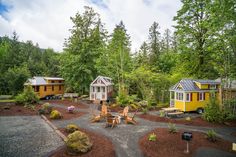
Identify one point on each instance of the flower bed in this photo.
(167, 144)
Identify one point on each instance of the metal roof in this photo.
(106, 80)
(207, 81)
(38, 80)
(190, 84)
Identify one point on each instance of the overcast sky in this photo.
(47, 22)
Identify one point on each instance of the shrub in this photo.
(211, 135)
(172, 128)
(212, 112)
(188, 119)
(28, 97)
(47, 108)
(152, 137)
(145, 110)
(162, 114)
(41, 111)
(55, 115)
(71, 109)
(78, 142)
(71, 128)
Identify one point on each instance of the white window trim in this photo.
(189, 97)
(202, 94)
(177, 96)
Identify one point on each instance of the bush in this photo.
(172, 128)
(211, 135)
(212, 112)
(55, 115)
(78, 142)
(162, 114)
(152, 137)
(28, 97)
(47, 108)
(71, 128)
(145, 110)
(188, 119)
(41, 111)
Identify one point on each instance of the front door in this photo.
(99, 94)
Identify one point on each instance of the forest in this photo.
(203, 46)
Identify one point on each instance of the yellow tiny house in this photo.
(46, 87)
(193, 95)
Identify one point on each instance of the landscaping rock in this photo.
(78, 142)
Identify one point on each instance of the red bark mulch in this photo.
(67, 103)
(66, 115)
(195, 121)
(18, 110)
(102, 146)
(168, 144)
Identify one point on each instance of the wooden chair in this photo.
(103, 114)
(130, 120)
(124, 112)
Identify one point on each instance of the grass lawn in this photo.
(7, 100)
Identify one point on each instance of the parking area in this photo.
(26, 136)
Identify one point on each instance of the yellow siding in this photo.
(202, 86)
(49, 90)
(179, 105)
(195, 104)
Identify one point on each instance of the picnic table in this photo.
(172, 111)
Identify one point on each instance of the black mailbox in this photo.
(187, 136)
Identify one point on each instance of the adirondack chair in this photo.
(130, 120)
(103, 114)
(124, 113)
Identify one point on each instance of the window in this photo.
(93, 89)
(212, 86)
(59, 81)
(52, 88)
(45, 88)
(98, 89)
(201, 96)
(52, 81)
(188, 96)
(36, 88)
(179, 96)
(103, 89)
(60, 87)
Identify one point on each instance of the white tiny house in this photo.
(101, 88)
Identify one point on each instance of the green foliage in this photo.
(211, 135)
(78, 142)
(152, 137)
(47, 108)
(172, 128)
(145, 110)
(212, 112)
(162, 113)
(28, 97)
(55, 114)
(71, 128)
(82, 48)
(41, 111)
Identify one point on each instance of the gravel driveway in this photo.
(26, 136)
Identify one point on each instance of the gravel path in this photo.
(26, 136)
(125, 137)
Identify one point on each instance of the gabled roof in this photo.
(190, 84)
(104, 80)
(38, 80)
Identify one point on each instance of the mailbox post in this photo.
(187, 136)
